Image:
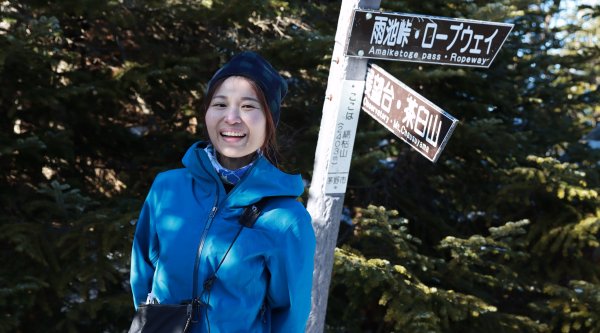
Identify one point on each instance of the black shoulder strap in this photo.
(251, 213)
(247, 219)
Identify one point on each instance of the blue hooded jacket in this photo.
(264, 284)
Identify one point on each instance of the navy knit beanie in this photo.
(253, 66)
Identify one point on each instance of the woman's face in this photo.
(236, 122)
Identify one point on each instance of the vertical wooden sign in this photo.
(332, 157)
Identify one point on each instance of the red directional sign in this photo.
(426, 39)
(408, 115)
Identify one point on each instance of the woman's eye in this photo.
(218, 105)
(249, 106)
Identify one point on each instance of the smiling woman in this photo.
(265, 272)
(236, 121)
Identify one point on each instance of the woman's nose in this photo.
(232, 115)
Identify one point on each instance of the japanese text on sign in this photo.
(343, 140)
(410, 37)
(407, 114)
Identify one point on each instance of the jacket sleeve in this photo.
(144, 253)
(291, 268)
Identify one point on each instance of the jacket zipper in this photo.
(211, 217)
(209, 222)
(263, 309)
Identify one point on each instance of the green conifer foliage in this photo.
(517, 155)
(385, 283)
(99, 96)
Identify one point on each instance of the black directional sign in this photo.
(426, 39)
(408, 115)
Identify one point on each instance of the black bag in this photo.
(166, 318)
(177, 318)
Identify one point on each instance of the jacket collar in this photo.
(262, 180)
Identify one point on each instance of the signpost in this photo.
(407, 114)
(426, 39)
(341, 108)
(363, 33)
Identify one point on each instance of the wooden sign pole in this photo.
(435, 40)
(341, 109)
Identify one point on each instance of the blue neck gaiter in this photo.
(231, 177)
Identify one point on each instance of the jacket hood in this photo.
(260, 181)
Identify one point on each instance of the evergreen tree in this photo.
(516, 156)
(98, 97)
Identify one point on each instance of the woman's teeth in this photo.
(236, 134)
